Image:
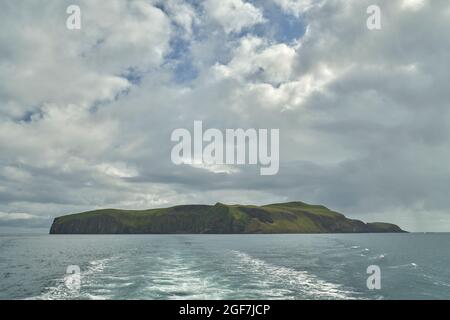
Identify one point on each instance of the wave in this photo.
(310, 285)
(408, 265)
(61, 291)
(178, 276)
(379, 257)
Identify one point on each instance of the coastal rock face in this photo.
(291, 217)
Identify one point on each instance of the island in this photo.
(290, 217)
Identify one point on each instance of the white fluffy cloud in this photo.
(233, 15)
(43, 62)
(255, 58)
(296, 7)
(182, 14)
(125, 34)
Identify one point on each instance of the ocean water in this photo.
(329, 266)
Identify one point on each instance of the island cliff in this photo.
(291, 217)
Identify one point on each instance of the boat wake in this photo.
(294, 281)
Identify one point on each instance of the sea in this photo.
(282, 266)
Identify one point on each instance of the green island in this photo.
(290, 217)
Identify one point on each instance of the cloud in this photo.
(413, 4)
(26, 221)
(182, 14)
(119, 170)
(125, 34)
(16, 216)
(86, 116)
(297, 7)
(233, 15)
(61, 66)
(255, 59)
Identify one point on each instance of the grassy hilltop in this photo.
(291, 217)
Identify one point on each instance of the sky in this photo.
(86, 115)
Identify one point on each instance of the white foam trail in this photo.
(61, 292)
(181, 278)
(311, 285)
